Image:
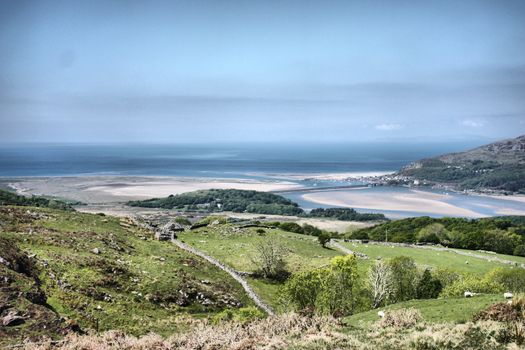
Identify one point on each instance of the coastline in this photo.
(393, 201)
(116, 188)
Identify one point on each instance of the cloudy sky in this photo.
(262, 71)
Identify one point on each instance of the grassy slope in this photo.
(433, 310)
(518, 259)
(76, 280)
(236, 248)
(427, 257)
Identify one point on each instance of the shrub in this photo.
(291, 227)
(324, 238)
(405, 278)
(428, 287)
(311, 230)
(402, 318)
(472, 284)
(512, 279)
(269, 259)
(433, 233)
(446, 276)
(520, 250)
(332, 290)
(183, 221)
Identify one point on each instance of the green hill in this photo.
(498, 166)
(10, 198)
(225, 200)
(256, 202)
(102, 273)
(497, 234)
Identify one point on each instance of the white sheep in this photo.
(508, 295)
(381, 314)
(469, 294)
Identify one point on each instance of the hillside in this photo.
(497, 234)
(102, 273)
(499, 166)
(10, 198)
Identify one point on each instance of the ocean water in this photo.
(245, 161)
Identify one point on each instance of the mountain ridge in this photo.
(498, 166)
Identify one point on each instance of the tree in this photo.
(405, 277)
(433, 233)
(520, 250)
(324, 238)
(330, 290)
(311, 230)
(380, 282)
(428, 287)
(269, 259)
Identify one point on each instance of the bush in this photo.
(324, 238)
(291, 227)
(428, 287)
(311, 230)
(332, 290)
(269, 260)
(472, 284)
(405, 278)
(183, 221)
(402, 318)
(446, 276)
(512, 279)
(433, 233)
(520, 250)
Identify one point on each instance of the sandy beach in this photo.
(111, 189)
(413, 201)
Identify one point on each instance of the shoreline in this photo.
(411, 201)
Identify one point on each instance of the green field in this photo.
(237, 247)
(518, 259)
(428, 257)
(432, 310)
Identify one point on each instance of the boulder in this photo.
(12, 319)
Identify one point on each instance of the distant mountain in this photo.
(499, 166)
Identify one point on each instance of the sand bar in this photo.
(412, 201)
(107, 189)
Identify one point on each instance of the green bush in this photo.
(183, 221)
(291, 227)
(471, 284)
(333, 290)
(520, 250)
(405, 278)
(512, 279)
(428, 286)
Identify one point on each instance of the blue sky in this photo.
(261, 71)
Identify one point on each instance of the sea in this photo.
(290, 162)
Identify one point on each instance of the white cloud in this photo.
(472, 123)
(389, 127)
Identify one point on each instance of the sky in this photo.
(261, 71)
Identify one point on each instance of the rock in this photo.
(12, 319)
(95, 251)
(4, 262)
